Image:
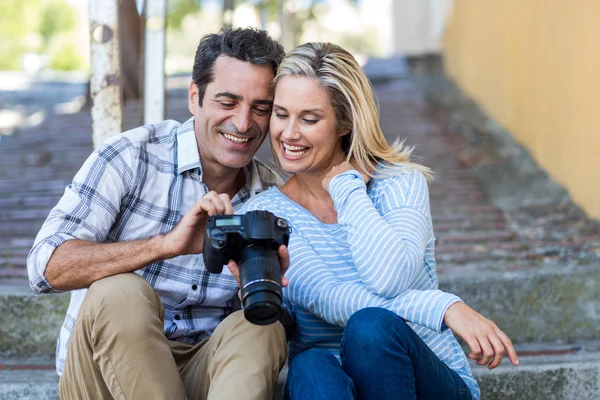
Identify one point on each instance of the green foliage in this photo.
(18, 18)
(41, 26)
(65, 57)
(57, 17)
(178, 9)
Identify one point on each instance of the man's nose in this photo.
(243, 120)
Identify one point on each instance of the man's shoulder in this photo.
(139, 140)
(159, 132)
(267, 175)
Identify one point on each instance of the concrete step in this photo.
(28, 378)
(530, 302)
(545, 373)
(29, 325)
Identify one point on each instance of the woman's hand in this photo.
(284, 262)
(339, 169)
(486, 340)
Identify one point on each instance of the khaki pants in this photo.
(118, 351)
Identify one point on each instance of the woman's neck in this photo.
(306, 190)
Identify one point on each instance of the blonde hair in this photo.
(355, 106)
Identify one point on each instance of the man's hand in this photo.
(188, 235)
(339, 169)
(284, 261)
(486, 340)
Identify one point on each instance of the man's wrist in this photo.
(159, 248)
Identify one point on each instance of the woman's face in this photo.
(303, 127)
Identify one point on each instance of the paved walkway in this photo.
(473, 235)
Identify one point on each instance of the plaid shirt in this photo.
(137, 185)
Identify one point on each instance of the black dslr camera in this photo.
(252, 241)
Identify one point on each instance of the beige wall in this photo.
(534, 65)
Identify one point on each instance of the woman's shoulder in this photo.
(400, 185)
(394, 177)
(264, 200)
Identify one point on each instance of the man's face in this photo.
(234, 118)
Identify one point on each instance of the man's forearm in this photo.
(76, 264)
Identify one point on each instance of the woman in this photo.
(370, 322)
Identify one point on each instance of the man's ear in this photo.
(193, 97)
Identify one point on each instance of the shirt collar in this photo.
(187, 147)
(188, 158)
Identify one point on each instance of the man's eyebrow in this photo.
(265, 102)
(229, 95)
(233, 96)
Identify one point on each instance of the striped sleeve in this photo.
(388, 249)
(314, 286)
(87, 209)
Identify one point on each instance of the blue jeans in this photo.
(382, 358)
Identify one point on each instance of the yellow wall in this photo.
(534, 65)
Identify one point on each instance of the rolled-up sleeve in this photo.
(87, 209)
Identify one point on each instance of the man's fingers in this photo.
(217, 201)
(227, 201)
(510, 350)
(208, 206)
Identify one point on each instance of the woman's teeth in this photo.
(235, 139)
(294, 151)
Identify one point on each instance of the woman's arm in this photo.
(316, 288)
(387, 250)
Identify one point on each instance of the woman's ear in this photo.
(344, 132)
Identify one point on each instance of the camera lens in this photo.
(260, 278)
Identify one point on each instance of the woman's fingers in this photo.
(498, 350)
(510, 350)
(486, 349)
(473, 344)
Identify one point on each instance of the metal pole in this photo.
(105, 81)
(154, 65)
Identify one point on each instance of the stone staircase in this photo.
(533, 269)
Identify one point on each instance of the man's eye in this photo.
(227, 105)
(262, 111)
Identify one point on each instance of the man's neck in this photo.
(224, 180)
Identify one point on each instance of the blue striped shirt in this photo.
(379, 254)
(137, 185)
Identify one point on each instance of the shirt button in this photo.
(194, 286)
(177, 317)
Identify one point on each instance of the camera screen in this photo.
(235, 220)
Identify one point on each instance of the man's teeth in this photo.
(235, 138)
(294, 151)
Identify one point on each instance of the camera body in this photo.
(251, 240)
(227, 235)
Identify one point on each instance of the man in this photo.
(139, 204)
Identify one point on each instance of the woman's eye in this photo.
(311, 121)
(280, 116)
